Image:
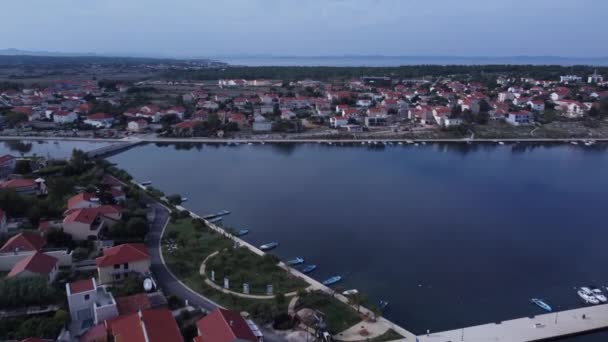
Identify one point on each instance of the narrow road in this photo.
(166, 280)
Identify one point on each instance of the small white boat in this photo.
(501, 143)
(587, 298)
(597, 293)
(400, 143)
(350, 292)
(250, 143)
(184, 199)
(573, 143)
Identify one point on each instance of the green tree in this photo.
(23, 167)
(12, 119)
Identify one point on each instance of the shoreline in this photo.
(302, 140)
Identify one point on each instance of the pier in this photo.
(534, 328)
(110, 150)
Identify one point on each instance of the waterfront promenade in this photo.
(536, 328)
(260, 139)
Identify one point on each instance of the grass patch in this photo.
(188, 242)
(240, 266)
(390, 335)
(338, 316)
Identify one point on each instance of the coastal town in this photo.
(374, 107)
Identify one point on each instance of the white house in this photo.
(99, 120)
(537, 105)
(570, 79)
(452, 122)
(595, 78)
(338, 121)
(137, 126)
(364, 102)
(519, 118)
(260, 124)
(64, 117)
(88, 301)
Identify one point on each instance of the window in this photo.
(116, 276)
(126, 266)
(117, 266)
(86, 297)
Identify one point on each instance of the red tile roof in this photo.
(96, 334)
(99, 116)
(224, 326)
(134, 303)
(161, 326)
(158, 325)
(5, 158)
(127, 329)
(36, 263)
(82, 286)
(26, 241)
(122, 254)
(84, 215)
(17, 183)
(83, 196)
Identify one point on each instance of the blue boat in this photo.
(541, 304)
(269, 246)
(332, 280)
(242, 232)
(220, 214)
(295, 261)
(309, 268)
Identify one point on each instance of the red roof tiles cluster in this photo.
(224, 326)
(38, 262)
(26, 241)
(122, 254)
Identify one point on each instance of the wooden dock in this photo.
(535, 328)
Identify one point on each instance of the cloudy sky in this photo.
(178, 28)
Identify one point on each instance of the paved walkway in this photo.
(536, 328)
(311, 139)
(352, 334)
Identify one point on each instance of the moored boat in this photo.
(215, 220)
(597, 293)
(541, 304)
(587, 297)
(382, 304)
(269, 246)
(146, 183)
(295, 261)
(309, 268)
(242, 232)
(332, 280)
(350, 292)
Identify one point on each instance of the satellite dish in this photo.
(148, 284)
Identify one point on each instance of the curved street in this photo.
(163, 276)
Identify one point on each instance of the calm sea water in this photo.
(390, 61)
(57, 150)
(450, 235)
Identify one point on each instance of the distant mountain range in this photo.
(17, 52)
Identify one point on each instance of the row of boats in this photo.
(593, 295)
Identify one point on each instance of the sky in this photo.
(208, 28)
